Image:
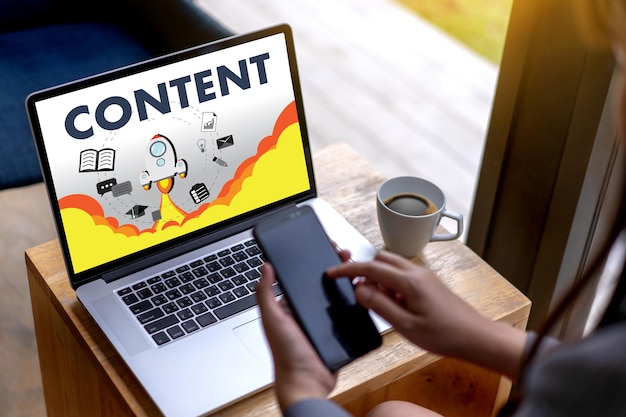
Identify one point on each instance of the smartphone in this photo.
(298, 248)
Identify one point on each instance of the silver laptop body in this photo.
(155, 169)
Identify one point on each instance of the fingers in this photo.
(270, 309)
(344, 254)
(371, 297)
(386, 269)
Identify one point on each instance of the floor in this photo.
(407, 97)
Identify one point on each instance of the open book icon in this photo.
(93, 160)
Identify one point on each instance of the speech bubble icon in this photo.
(106, 186)
(122, 188)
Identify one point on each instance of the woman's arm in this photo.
(424, 310)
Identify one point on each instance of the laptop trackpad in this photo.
(253, 337)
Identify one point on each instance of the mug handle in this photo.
(458, 217)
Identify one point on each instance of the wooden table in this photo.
(84, 376)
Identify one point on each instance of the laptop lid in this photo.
(155, 159)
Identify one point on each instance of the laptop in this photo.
(157, 173)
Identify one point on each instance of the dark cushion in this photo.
(38, 58)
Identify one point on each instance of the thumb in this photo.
(265, 293)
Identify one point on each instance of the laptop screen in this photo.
(173, 148)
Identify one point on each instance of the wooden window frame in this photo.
(549, 103)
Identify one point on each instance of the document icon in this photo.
(225, 142)
(199, 192)
(209, 122)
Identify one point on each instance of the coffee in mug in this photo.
(409, 210)
(411, 204)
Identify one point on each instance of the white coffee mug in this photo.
(409, 210)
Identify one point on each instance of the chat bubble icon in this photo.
(122, 188)
(105, 186)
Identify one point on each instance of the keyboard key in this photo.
(213, 266)
(187, 288)
(197, 263)
(184, 302)
(153, 280)
(206, 319)
(158, 300)
(175, 332)
(145, 293)
(226, 285)
(173, 294)
(237, 248)
(130, 299)
(254, 262)
(160, 338)
(200, 272)
(158, 288)
(241, 292)
(252, 275)
(227, 261)
(185, 314)
(139, 286)
(253, 251)
(240, 256)
(161, 324)
(124, 291)
(170, 308)
(227, 297)
(239, 280)
(236, 307)
(172, 282)
(250, 242)
(168, 274)
(182, 268)
(150, 315)
(228, 272)
(251, 286)
(212, 291)
(199, 309)
(223, 253)
(201, 283)
(210, 258)
(140, 307)
(213, 303)
(186, 276)
(214, 278)
(190, 326)
(241, 267)
(198, 296)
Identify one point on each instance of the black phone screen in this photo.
(300, 251)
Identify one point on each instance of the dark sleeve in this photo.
(315, 408)
(578, 379)
(547, 344)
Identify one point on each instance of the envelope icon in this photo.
(225, 142)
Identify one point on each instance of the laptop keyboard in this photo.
(197, 294)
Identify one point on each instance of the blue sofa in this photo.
(48, 42)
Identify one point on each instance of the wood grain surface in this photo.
(83, 375)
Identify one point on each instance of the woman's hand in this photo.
(299, 372)
(424, 310)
